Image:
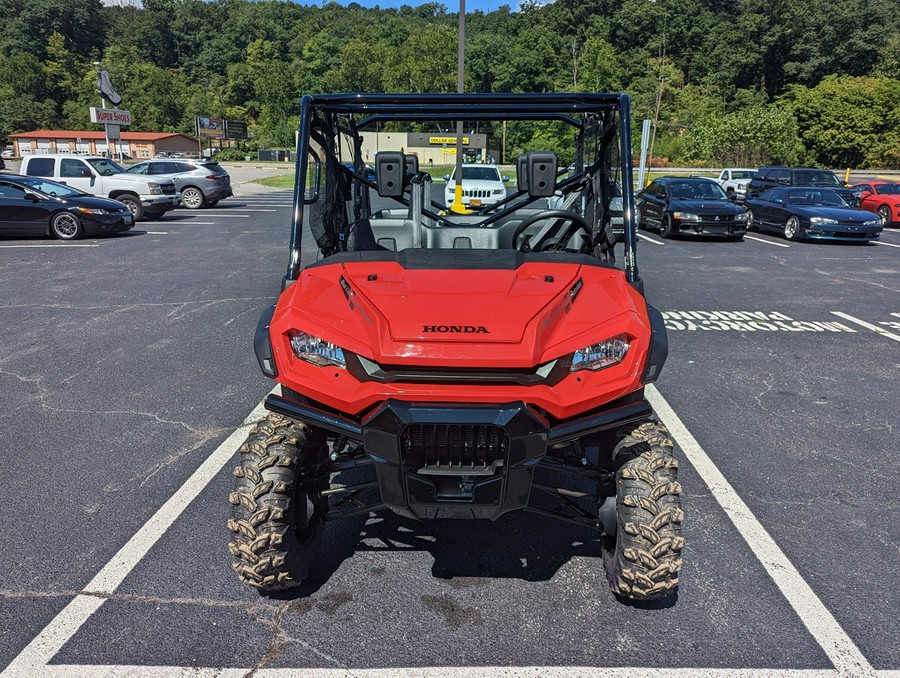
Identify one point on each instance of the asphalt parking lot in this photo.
(127, 380)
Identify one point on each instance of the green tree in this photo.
(749, 137)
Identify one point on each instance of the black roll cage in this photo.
(368, 109)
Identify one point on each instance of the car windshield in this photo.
(106, 167)
(742, 174)
(697, 190)
(51, 188)
(138, 169)
(816, 197)
(823, 177)
(478, 174)
(887, 189)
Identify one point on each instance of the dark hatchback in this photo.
(691, 206)
(814, 213)
(37, 206)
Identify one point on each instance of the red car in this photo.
(882, 197)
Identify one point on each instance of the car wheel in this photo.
(751, 222)
(792, 229)
(665, 226)
(192, 198)
(637, 219)
(133, 203)
(885, 213)
(66, 226)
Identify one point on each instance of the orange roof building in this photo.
(136, 145)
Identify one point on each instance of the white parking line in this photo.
(820, 623)
(33, 660)
(157, 232)
(243, 209)
(888, 244)
(174, 222)
(767, 242)
(54, 245)
(649, 239)
(232, 216)
(869, 326)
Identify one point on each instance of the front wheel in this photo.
(885, 213)
(645, 561)
(751, 221)
(192, 198)
(276, 519)
(66, 226)
(665, 226)
(133, 203)
(792, 229)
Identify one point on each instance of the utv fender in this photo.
(659, 346)
(263, 344)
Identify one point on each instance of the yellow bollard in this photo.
(847, 176)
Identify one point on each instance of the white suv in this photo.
(482, 185)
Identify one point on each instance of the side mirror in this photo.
(865, 194)
(778, 201)
(845, 183)
(504, 178)
(32, 197)
(446, 177)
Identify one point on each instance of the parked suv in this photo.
(106, 179)
(770, 177)
(202, 183)
(482, 186)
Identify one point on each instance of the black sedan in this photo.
(693, 205)
(36, 206)
(811, 212)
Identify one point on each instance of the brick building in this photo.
(138, 145)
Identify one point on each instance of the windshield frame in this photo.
(106, 167)
(73, 192)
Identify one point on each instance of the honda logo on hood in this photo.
(455, 329)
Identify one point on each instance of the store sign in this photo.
(236, 130)
(110, 116)
(446, 140)
(210, 128)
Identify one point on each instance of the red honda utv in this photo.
(480, 360)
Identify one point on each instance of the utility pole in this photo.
(659, 94)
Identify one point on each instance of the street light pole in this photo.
(457, 205)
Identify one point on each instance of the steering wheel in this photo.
(576, 222)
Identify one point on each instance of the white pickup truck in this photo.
(734, 180)
(144, 196)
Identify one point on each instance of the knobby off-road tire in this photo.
(276, 520)
(646, 560)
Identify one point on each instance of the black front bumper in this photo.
(457, 461)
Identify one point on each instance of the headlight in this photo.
(742, 216)
(315, 350)
(822, 220)
(686, 216)
(499, 191)
(155, 189)
(85, 210)
(600, 356)
(873, 223)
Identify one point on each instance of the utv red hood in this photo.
(501, 317)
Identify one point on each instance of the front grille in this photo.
(476, 193)
(722, 221)
(454, 449)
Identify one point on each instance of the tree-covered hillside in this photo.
(742, 82)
